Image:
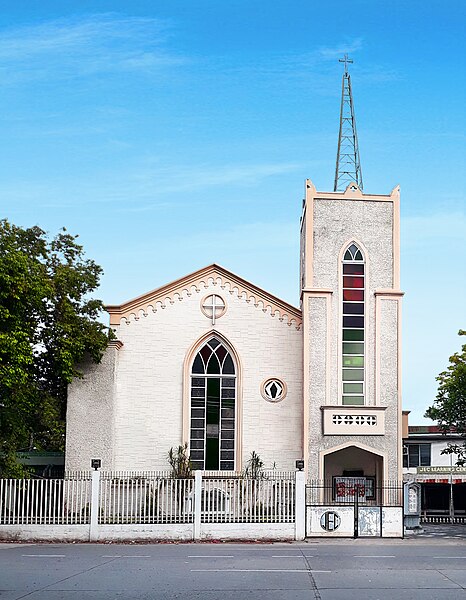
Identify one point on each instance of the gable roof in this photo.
(176, 290)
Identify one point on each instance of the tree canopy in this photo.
(449, 407)
(48, 324)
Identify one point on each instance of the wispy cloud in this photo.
(339, 50)
(423, 230)
(253, 236)
(314, 68)
(149, 187)
(76, 47)
(143, 188)
(182, 177)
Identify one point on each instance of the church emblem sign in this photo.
(330, 520)
(273, 389)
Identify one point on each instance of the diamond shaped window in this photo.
(273, 390)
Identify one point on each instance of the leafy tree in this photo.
(449, 408)
(48, 323)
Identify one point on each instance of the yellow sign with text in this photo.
(441, 470)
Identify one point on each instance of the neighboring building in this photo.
(43, 464)
(443, 484)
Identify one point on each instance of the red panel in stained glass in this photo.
(353, 269)
(221, 353)
(353, 295)
(353, 282)
(205, 353)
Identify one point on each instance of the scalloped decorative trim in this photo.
(198, 282)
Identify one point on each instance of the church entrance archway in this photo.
(353, 499)
(353, 470)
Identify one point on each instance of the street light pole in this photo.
(452, 508)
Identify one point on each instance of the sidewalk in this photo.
(445, 531)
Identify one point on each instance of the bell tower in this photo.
(351, 306)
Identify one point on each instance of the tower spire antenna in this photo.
(348, 168)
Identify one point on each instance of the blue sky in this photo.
(171, 134)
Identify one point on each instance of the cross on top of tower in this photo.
(347, 61)
(348, 167)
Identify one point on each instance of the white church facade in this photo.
(213, 361)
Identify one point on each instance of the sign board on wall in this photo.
(346, 489)
(421, 470)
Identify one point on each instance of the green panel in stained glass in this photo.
(353, 400)
(353, 361)
(349, 348)
(353, 335)
(352, 388)
(353, 374)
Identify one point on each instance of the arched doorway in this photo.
(353, 470)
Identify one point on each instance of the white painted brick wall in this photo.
(149, 387)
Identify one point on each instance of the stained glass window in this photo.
(213, 408)
(353, 326)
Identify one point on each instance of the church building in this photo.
(214, 361)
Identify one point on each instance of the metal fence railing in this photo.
(144, 500)
(365, 491)
(45, 501)
(148, 497)
(443, 520)
(248, 500)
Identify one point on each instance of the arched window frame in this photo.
(187, 378)
(353, 326)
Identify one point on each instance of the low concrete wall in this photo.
(368, 521)
(314, 515)
(249, 531)
(124, 533)
(182, 532)
(46, 533)
(392, 519)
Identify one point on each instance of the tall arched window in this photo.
(213, 408)
(353, 326)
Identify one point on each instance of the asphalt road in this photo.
(329, 570)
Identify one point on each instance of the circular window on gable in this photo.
(273, 389)
(213, 306)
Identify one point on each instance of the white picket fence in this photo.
(247, 500)
(140, 499)
(45, 501)
(442, 520)
(101, 499)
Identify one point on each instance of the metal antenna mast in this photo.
(348, 167)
